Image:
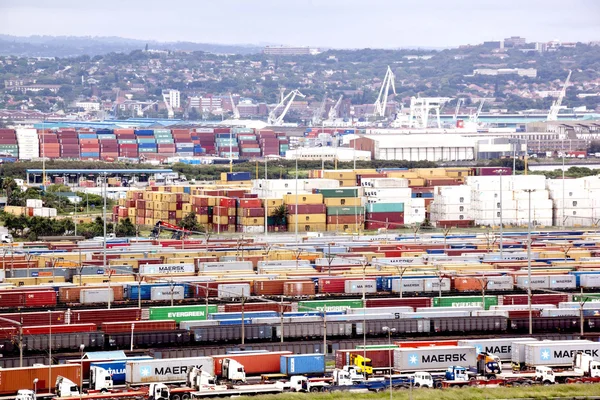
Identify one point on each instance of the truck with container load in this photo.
(14, 379)
(501, 347)
(558, 353)
(173, 370)
(66, 388)
(585, 370)
(437, 358)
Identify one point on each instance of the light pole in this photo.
(81, 347)
(35, 381)
(529, 191)
(296, 218)
(266, 201)
(104, 241)
(389, 333)
(500, 172)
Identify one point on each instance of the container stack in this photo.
(29, 145)
(49, 146)
(237, 177)
(146, 141)
(344, 207)
(109, 146)
(581, 203)
(311, 216)
(204, 141)
(250, 216)
(69, 144)
(164, 142)
(490, 201)
(451, 206)
(90, 146)
(249, 147)
(224, 215)
(284, 146)
(274, 223)
(184, 146)
(8, 143)
(127, 143)
(269, 143)
(384, 215)
(226, 144)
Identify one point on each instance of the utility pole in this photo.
(529, 295)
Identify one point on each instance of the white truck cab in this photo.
(25, 394)
(6, 238)
(423, 379)
(66, 388)
(233, 371)
(545, 375)
(299, 383)
(159, 391)
(202, 381)
(585, 364)
(100, 379)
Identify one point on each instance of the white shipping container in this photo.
(537, 282)
(574, 304)
(166, 269)
(283, 263)
(521, 307)
(571, 203)
(253, 229)
(226, 266)
(233, 290)
(380, 310)
(407, 285)
(91, 296)
(489, 313)
(35, 203)
(389, 192)
(389, 182)
(499, 283)
(562, 282)
(560, 312)
(433, 284)
(167, 293)
(165, 370)
(360, 286)
(589, 280)
(387, 261)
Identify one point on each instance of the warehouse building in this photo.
(328, 154)
(434, 147)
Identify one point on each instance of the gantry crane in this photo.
(381, 102)
(556, 105)
(318, 115)
(278, 120)
(236, 112)
(141, 111)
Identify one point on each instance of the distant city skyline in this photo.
(315, 23)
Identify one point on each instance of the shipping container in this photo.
(501, 347)
(465, 301)
(329, 305)
(172, 370)
(182, 313)
(437, 358)
(138, 326)
(116, 368)
(558, 353)
(254, 363)
(14, 379)
(167, 293)
(302, 364)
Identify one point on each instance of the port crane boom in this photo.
(333, 111)
(318, 115)
(236, 112)
(556, 105)
(278, 120)
(381, 103)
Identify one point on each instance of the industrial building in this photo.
(328, 154)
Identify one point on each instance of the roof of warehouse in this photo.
(425, 140)
(105, 355)
(97, 171)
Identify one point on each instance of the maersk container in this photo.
(558, 353)
(360, 286)
(589, 280)
(517, 351)
(116, 368)
(225, 266)
(182, 313)
(166, 269)
(144, 291)
(462, 301)
(167, 293)
(407, 285)
(90, 296)
(171, 370)
(233, 290)
(434, 284)
(563, 282)
(302, 364)
(501, 347)
(537, 282)
(329, 305)
(437, 358)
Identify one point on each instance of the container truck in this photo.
(116, 368)
(14, 379)
(302, 364)
(501, 347)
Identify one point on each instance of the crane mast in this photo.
(457, 110)
(278, 120)
(236, 112)
(382, 99)
(318, 115)
(556, 105)
(333, 111)
(167, 102)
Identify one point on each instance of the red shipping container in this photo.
(252, 212)
(380, 358)
(139, 326)
(298, 288)
(34, 318)
(332, 285)
(269, 288)
(522, 299)
(40, 299)
(227, 202)
(105, 315)
(398, 302)
(307, 208)
(254, 363)
(385, 216)
(62, 328)
(277, 307)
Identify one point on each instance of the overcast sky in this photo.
(327, 23)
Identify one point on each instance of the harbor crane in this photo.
(167, 101)
(556, 105)
(318, 115)
(141, 111)
(236, 112)
(382, 99)
(459, 103)
(278, 120)
(475, 118)
(333, 111)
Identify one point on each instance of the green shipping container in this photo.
(329, 305)
(181, 313)
(465, 301)
(588, 297)
(358, 210)
(349, 192)
(385, 207)
(162, 131)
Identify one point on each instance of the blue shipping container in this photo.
(302, 364)
(131, 291)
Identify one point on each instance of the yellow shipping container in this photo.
(430, 172)
(172, 206)
(97, 279)
(458, 172)
(131, 212)
(202, 219)
(307, 218)
(253, 221)
(220, 220)
(273, 203)
(303, 199)
(365, 171)
(304, 227)
(416, 182)
(122, 202)
(14, 210)
(179, 214)
(340, 227)
(343, 201)
(148, 196)
(348, 183)
(232, 212)
(340, 174)
(149, 221)
(187, 208)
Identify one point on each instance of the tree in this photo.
(125, 228)
(190, 222)
(594, 147)
(280, 215)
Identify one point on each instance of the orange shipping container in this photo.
(468, 284)
(299, 288)
(254, 364)
(13, 379)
